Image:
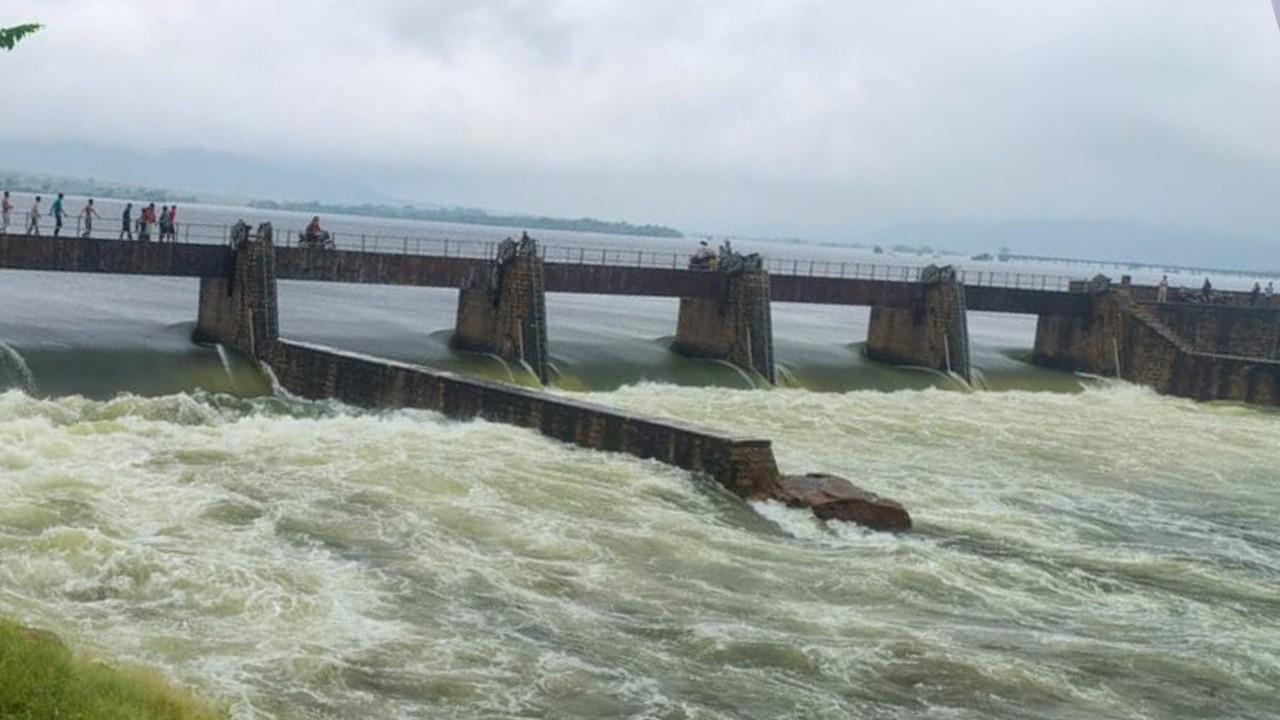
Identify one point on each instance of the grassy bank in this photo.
(41, 678)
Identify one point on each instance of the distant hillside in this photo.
(88, 187)
(473, 216)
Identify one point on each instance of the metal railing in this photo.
(398, 244)
(206, 233)
(911, 273)
(806, 268)
(112, 229)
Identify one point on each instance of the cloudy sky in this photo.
(821, 118)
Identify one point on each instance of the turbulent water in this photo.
(1083, 549)
(1102, 554)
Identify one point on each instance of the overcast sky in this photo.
(823, 118)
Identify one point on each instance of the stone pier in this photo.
(931, 332)
(1088, 340)
(502, 309)
(737, 326)
(1202, 352)
(239, 309)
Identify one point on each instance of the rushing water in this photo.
(1101, 554)
(1082, 548)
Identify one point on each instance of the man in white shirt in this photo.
(33, 218)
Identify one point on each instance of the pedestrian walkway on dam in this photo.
(918, 315)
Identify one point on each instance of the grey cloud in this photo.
(823, 117)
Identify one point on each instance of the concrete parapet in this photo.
(240, 310)
(743, 465)
(737, 326)
(502, 309)
(932, 332)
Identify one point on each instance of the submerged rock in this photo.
(834, 498)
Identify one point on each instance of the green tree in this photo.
(11, 35)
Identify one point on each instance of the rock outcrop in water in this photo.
(834, 498)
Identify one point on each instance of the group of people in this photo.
(1256, 295)
(161, 224)
(704, 258)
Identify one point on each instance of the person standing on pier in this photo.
(1255, 293)
(33, 218)
(58, 212)
(173, 223)
(126, 222)
(88, 214)
(1162, 290)
(144, 223)
(6, 207)
(1206, 291)
(152, 222)
(164, 222)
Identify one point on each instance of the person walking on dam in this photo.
(126, 223)
(87, 215)
(6, 207)
(33, 218)
(1255, 293)
(1206, 290)
(148, 229)
(58, 212)
(1162, 290)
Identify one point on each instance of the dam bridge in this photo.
(918, 317)
(1224, 351)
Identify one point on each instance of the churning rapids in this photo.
(1082, 548)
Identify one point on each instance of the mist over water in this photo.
(1082, 548)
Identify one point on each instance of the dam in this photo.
(392, 531)
(1224, 351)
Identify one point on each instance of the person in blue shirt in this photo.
(57, 212)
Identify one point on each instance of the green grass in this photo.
(40, 679)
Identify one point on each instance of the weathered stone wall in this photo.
(737, 327)
(744, 465)
(1252, 332)
(1129, 340)
(240, 310)
(502, 310)
(1085, 341)
(933, 332)
(1152, 354)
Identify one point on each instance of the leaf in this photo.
(11, 35)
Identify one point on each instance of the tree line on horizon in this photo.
(88, 187)
(473, 216)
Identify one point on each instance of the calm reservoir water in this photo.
(1083, 549)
